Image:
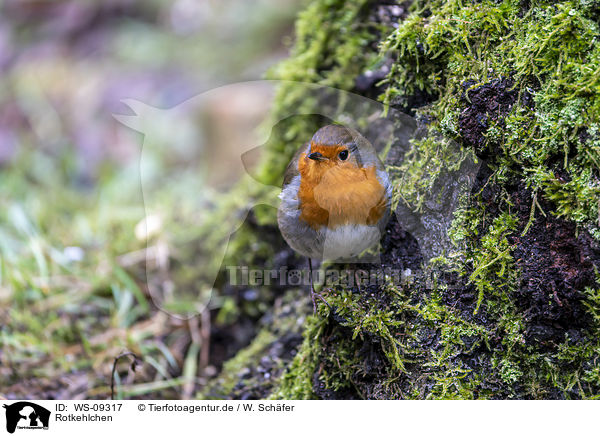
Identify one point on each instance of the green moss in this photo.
(232, 370)
(548, 50)
(297, 382)
(366, 319)
(331, 49)
(416, 178)
(256, 370)
(577, 198)
(492, 261)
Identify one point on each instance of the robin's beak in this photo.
(316, 156)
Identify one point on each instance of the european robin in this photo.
(336, 197)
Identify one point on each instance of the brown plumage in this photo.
(336, 195)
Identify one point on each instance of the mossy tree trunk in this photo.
(515, 312)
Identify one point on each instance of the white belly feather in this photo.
(349, 240)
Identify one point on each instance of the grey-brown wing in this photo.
(292, 169)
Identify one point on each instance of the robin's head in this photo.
(332, 146)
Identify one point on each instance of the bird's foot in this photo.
(314, 295)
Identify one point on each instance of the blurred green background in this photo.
(70, 195)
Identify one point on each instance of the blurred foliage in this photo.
(72, 291)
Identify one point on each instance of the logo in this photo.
(26, 415)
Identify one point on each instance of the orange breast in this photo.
(338, 195)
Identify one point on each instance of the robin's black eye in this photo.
(343, 154)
